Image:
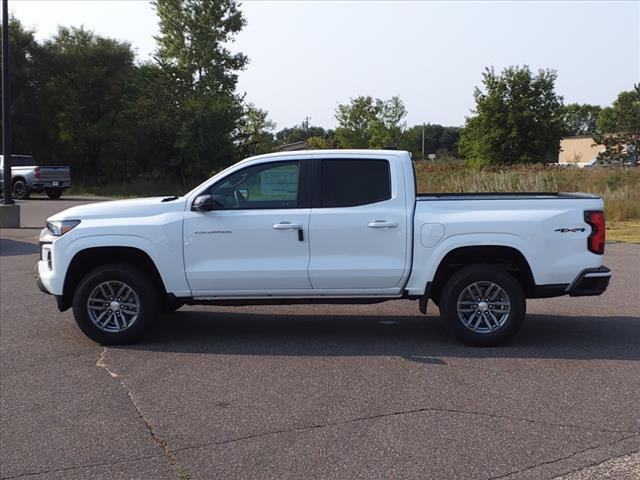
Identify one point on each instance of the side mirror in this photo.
(203, 203)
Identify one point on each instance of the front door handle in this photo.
(382, 224)
(287, 226)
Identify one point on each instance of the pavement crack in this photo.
(181, 471)
(566, 457)
(400, 413)
(76, 467)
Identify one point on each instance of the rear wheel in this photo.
(20, 190)
(484, 305)
(115, 304)
(54, 193)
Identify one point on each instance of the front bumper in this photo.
(591, 281)
(36, 273)
(60, 301)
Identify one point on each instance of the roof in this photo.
(333, 152)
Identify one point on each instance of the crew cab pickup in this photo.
(28, 177)
(335, 226)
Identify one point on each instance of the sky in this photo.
(306, 57)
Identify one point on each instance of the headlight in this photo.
(60, 227)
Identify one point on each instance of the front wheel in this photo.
(115, 304)
(484, 305)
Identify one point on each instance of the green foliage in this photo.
(624, 115)
(192, 43)
(202, 74)
(437, 139)
(29, 126)
(580, 119)
(84, 81)
(369, 123)
(299, 133)
(256, 129)
(325, 142)
(620, 125)
(517, 118)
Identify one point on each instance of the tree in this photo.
(149, 140)
(369, 123)
(84, 81)
(620, 127)
(29, 131)
(192, 51)
(517, 118)
(299, 133)
(437, 138)
(580, 119)
(256, 131)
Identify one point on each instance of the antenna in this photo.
(395, 147)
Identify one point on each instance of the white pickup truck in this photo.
(336, 226)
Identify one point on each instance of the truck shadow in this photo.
(12, 248)
(415, 338)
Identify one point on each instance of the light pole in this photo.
(6, 107)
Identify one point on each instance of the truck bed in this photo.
(421, 197)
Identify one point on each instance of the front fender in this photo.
(167, 258)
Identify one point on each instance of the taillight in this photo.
(36, 172)
(595, 242)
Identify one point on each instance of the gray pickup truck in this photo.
(27, 177)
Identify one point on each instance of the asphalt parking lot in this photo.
(339, 392)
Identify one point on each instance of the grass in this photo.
(623, 231)
(619, 187)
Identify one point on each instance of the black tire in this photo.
(492, 327)
(54, 193)
(20, 190)
(147, 298)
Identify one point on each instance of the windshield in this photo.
(19, 161)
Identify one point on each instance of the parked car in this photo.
(322, 227)
(27, 177)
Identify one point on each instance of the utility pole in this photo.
(423, 141)
(6, 107)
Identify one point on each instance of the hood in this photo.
(139, 207)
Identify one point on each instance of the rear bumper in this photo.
(58, 184)
(591, 281)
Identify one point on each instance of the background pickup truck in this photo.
(322, 227)
(27, 177)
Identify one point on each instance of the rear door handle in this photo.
(382, 224)
(287, 226)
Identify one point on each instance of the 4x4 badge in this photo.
(567, 230)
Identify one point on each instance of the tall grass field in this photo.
(619, 187)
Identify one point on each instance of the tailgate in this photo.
(61, 174)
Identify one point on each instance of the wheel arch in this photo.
(508, 258)
(88, 259)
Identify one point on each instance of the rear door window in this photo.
(349, 183)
